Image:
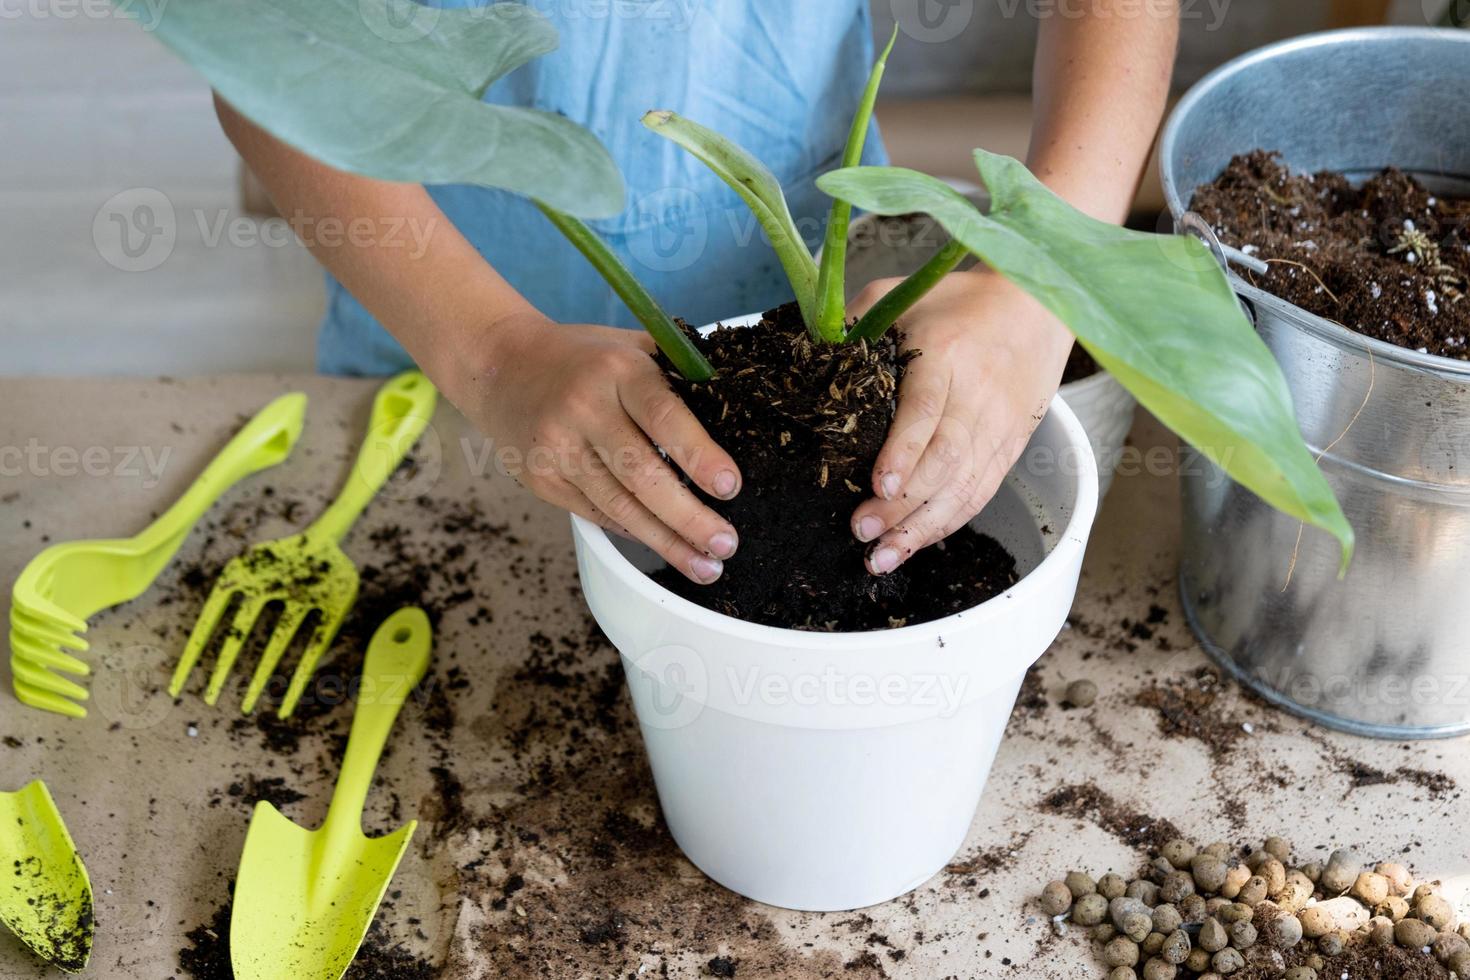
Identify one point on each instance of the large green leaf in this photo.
(760, 190)
(1154, 310)
(391, 89)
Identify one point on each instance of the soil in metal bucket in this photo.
(1387, 259)
(805, 421)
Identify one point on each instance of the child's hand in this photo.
(575, 412)
(992, 358)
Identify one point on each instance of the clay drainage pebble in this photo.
(1205, 914)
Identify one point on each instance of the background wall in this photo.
(93, 106)
(97, 118)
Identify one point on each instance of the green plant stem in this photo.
(760, 190)
(903, 296)
(831, 302)
(673, 341)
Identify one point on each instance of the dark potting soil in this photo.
(805, 423)
(1188, 707)
(1085, 801)
(1079, 365)
(1388, 259)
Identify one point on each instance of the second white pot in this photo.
(829, 771)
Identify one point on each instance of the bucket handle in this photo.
(1190, 223)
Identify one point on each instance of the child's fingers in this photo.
(622, 506)
(947, 480)
(574, 501)
(945, 469)
(935, 520)
(639, 467)
(922, 398)
(672, 427)
(950, 506)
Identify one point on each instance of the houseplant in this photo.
(1382, 652)
(863, 753)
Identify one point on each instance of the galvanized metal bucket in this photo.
(1386, 651)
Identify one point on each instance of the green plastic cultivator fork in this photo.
(307, 573)
(68, 582)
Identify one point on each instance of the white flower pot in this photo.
(1105, 409)
(830, 771)
(880, 248)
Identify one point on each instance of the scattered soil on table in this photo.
(805, 423)
(571, 871)
(255, 789)
(992, 859)
(1436, 784)
(207, 957)
(1362, 775)
(1389, 259)
(1188, 708)
(1085, 801)
(1031, 703)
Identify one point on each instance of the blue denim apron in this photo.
(781, 77)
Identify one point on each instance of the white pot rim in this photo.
(1071, 541)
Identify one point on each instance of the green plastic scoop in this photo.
(304, 898)
(45, 894)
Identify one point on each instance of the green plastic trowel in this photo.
(305, 898)
(45, 894)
